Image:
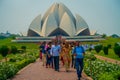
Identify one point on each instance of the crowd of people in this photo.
(71, 54)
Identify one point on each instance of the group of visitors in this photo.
(70, 54)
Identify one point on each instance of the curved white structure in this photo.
(67, 24)
(58, 20)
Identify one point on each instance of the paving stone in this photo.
(36, 71)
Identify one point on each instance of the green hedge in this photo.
(9, 69)
(105, 50)
(110, 76)
(98, 48)
(117, 50)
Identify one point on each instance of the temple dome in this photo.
(58, 20)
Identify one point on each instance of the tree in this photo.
(4, 51)
(14, 49)
(104, 35)
(23, 48)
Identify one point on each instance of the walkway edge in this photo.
(107, 59)
(26, 67)
(85, 75)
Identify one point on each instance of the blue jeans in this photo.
(79, 66)
(56, 63)
(48, 60)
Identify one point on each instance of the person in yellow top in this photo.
(67, 56)
(62, 53)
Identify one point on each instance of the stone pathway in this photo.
(108, 59)
(35, 71)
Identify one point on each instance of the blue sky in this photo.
(100, 15)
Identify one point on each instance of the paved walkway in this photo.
(108, 59)
(35, 71)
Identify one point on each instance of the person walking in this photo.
(42, 48)
(67, 56)
(40, 52)
(48, 56)
(73, 57)
(79, 53)
(62, 53)
(55, 50)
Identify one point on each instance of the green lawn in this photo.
(18, 45)
(105, 42)
(1, 57)
(7, 41)
(108, 40)
(111, 54)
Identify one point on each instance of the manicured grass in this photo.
(1, 57)
(111, 54)
(9, 55)
(8, 42)
(106, 42)
(109, 40)
(5, 41)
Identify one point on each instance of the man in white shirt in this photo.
(55, 51)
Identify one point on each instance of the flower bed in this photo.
(98, 69)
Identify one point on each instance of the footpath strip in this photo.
(108, 59)
(35, 71)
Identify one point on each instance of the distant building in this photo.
(115, 36)
(7, 34)
(58, 20)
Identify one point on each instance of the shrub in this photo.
(90, 57)
(115, 75)
(98, 67)
(13, 49)
(20, 50)
(16, 58)
(21, 64)
(98, 48)
(105, 50)
(106, 76)
(23, 47)
(116, 44)
(117, 50)
(7, 71)
(24, 62)
(12, 60)
(109, 46)
(90, 49)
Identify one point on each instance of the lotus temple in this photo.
(58, 20)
